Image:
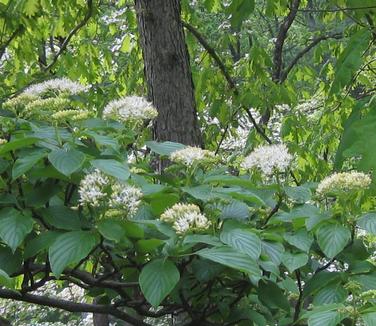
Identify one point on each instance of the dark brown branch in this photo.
(71, 34)
(229, 80)
(212, 53)
(298, 304)
(337, 9)
(70, 306)
(309, 47)
(281, 37)
(4, 46)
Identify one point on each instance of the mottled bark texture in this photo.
(168, 71)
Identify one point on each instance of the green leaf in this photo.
(10, 262)
(70, 248)
(319, 281)
(5, 280)
(16, 144)
(66, 161)
(272, 296)
(148, 245)
(164, 148)
(202, 238)
(62, 217)
(30, 7)
(112, 167)
(298, 194)
(327, 318)
(333, 293)
(157, 279)
(368, 222)
(358, 139)
(232, 258)
(14, 226)
(24, 164)
(103, 140)
(350, 60)
(234, 210)
(301, 240)
(332, 239)
(40, 243)
(202, 192)
(204, 270)
(229, 180)
(273, 250)
(369, 318)
(240, 10)
(294, 261)
(244, 241)
(111, 229)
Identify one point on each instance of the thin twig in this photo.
(71, 34)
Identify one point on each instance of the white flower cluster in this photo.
(3, 141)
(126, 197)
(91, 188)
(61, 85)
(268, 159)
(343, 182)
(97, 189)
(130, 108)
(192, 155)
(310, 106)
(185, 217)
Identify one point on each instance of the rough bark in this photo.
(101, 320)
(168, 71)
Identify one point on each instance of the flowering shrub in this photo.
(81, 205)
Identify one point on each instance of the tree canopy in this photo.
(269, 220)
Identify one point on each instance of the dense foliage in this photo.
(242, 232)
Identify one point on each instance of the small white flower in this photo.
(3, 141)
(130, 108)
(126, 197)
(268, 159)
(185, 217)
(181, 225)
(192, 155)
(61, 85)
(91, 188)
(343, 182)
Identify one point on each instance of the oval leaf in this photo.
(66, 161)
(70, 248)
(157, 280)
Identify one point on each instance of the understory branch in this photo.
(81, 24)
(70, 306)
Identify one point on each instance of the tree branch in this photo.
(71, 34)
(212, 53)
(70, 306)
(4, 46)
(282, 35)
(337, 9)
(310, 46)
(229, 80)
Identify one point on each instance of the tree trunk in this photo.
(168, 71)
(100, 320)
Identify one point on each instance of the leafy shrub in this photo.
(80, 202)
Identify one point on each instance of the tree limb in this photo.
(212, 53)
(310, 46)
(4, 46)
(229, 80)
(337, 9)
(71, 34)
(281, 37)
(70, 306)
